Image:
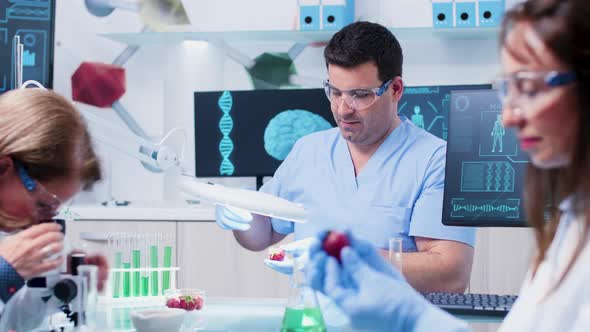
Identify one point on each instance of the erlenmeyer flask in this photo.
(302, 313)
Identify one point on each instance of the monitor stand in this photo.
(259, 179)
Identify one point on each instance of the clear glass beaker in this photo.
(303, 313)
(395, 252)
(90, 272)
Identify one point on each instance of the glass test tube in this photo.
(154, 263)
(145, 276)
(126, 265)
(115, 241)
(395, 252)
(136, 264)
(167, 261)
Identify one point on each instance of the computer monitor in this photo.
(485, 167)
(34, 22)
(428, 106)
(249, 133)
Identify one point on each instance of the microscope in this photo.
(71, 293)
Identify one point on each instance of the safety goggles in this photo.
(357, 99)
(524, 90)
(44, 204)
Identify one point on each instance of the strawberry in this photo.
(199, 303)
(334, 242)
(276, 254)
(173, 303)
(190, 306)
(182, 304)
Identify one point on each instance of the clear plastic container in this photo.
(187, 299)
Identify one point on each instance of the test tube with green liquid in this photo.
(115, 245)
(167, 262)
(145, 277)
(154, 264)
(136, 259)
(127, 266)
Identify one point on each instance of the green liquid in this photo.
(136, 265)
(126, 280)
(145, 286)
(303, 320)
(167, 263)
(117, 275)
(154, 264)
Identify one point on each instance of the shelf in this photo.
(201, 213)
(158, 38)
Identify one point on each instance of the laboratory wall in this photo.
(162, 78)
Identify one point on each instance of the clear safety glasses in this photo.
(357, 99)
(44, 204)
(523, 91)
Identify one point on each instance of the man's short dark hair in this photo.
(361, 42)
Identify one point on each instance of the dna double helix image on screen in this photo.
(249, 133)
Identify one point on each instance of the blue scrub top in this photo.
(398, 193)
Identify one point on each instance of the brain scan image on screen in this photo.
(287, 127)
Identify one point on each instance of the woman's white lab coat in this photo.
(25, 310)
(566, 309)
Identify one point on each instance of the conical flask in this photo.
(302, 313)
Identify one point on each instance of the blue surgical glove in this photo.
(231, 218)
(374, 295)
(282, 226)
(297, 249)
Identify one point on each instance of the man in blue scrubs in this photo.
(377, 174)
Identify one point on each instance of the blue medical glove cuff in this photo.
(282, 227)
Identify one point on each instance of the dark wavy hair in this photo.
(361, 42)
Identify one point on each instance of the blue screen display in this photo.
(485, 167)
(33, 21)
(249, 133)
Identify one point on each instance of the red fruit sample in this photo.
(334, 242)
(276, 255)
(199, 303)
(182, 304)
(190, 306)
(173, 303)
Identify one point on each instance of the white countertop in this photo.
(143, 211)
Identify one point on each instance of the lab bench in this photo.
(240, 314)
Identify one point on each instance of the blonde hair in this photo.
(48, 135)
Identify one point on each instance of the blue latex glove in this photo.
(373, 294)
(231, 218)
(283, 227)
(297, 249)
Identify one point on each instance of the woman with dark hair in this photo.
(545, 85)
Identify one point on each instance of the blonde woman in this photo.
(46, 157)
(545, 50)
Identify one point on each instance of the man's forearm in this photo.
(430, 272)
(260, 235)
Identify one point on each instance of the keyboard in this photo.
(473, 304)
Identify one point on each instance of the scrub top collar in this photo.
(394, 140)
